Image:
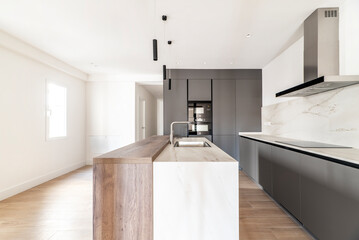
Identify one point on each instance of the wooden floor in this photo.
(62, 209)
(261, 218)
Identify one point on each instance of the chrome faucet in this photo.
(179, 122)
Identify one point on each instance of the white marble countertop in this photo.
(345, 155)
(193, 154)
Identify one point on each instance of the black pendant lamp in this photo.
(155, 51)
(164, 71)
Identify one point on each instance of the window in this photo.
(56, 123)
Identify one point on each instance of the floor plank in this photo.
(62, 209)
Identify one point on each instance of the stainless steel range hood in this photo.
(321, 56)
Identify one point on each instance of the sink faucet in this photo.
(179, 122)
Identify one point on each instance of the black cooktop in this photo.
(309, 144)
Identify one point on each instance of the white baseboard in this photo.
(11, 191)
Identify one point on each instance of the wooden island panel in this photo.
(123, 207)
(123, 191)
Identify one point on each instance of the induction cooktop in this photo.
(309, 144)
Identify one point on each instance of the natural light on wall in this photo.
(56, 111)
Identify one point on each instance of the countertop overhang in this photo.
(144, 151)
(158, 149)
(344, 156)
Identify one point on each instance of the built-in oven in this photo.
(200, 116)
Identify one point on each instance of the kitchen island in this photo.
(153, 190)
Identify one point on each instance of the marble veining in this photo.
(195, 200)
(330, 117)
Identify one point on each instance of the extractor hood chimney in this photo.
(321, 56)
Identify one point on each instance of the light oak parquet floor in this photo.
(61, 209)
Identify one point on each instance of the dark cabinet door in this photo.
(199, 90)
(286, 179)
(175, 106)
(226, 143)
(249, 157)
(224, 107)
(344, 184)
(315, 196)
(248, 105)
(265, 167)
(329, 199)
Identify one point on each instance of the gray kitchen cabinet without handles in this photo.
(199, 90)
(265, 167)
(323, 195)
(175, 106)
(329, 199)
(286, 179)
(226, 143)
(224, 107)
(249, 157)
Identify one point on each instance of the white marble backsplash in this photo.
(330, 117)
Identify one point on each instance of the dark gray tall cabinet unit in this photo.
(199, 90)
(224, 115)
(236, 102)
(175, 106)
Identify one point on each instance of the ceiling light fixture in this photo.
(248, 35)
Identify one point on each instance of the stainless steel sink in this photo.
(191, 144)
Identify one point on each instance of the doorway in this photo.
(142, 119)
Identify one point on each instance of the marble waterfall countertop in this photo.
(193, 154)
(345, 156)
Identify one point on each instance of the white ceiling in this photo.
(115, 36)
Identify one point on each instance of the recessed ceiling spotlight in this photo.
(204, 63)
(248, 35)
(178, 63)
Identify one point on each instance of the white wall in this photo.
(160, 116)
(283, 72)
(111, 116)
(26, 158)
(151, 112)
(349, 37)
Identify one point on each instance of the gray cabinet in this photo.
(226, 143)
(322, 195)
(329, 199)
(344, 183)
(224, 115)
(286, 179)
(249, 157)
(315, 195)
(248, 105)
(175, 106)
(199, 90)
(224, 107)
(265, 167)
